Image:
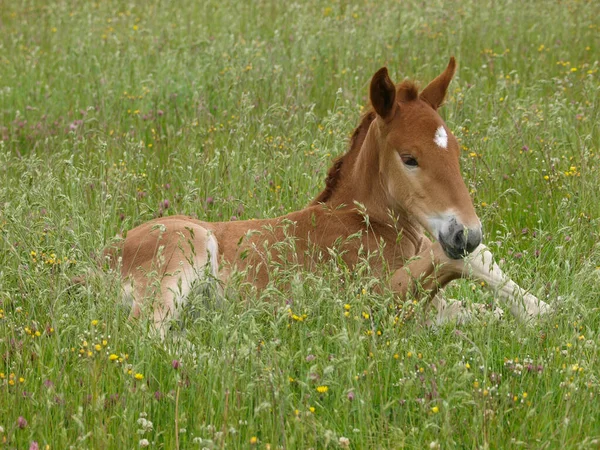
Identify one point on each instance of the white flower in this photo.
(344, 442)
(144, 443)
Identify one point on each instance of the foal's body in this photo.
(399, 178)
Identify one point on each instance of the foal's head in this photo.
(419, 161)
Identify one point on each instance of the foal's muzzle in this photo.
(458, 241)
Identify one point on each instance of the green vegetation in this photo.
(112, 113)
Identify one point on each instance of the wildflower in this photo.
(175, 364)
(144, 443)
(113, 357)
(34, 446)
(344, 442)
(351, 395)
(21, 422)
(347, 307)
(94, 322)
(312, 409)
(435, 409)
(253, 440)
(322, 389)
(365, 315)
(139, 376)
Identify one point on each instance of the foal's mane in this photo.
(405, 92)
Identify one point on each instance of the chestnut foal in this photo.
(399, 178)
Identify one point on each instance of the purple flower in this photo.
(160, 112)
(210, 200)
(165, 204)
(525, 148)
(176, 364)
(310, 358)
(34, 446)
(351, 395)
(75, 124)
(21, 422)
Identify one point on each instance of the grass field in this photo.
(112, 113)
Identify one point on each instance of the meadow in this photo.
(113, 113)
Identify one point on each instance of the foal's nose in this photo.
(459, 241)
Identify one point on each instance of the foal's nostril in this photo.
(459, 239)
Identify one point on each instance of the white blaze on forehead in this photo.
(441, 137)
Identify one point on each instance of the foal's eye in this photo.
(409, 161)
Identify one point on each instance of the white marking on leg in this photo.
(212, 250)
(441, 137)
(480, 265)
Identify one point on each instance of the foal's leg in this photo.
(480, 265)
(425, 273)
(432, 270)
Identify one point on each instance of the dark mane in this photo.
(333, 175)
(407, 91)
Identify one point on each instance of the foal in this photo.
(399, 178)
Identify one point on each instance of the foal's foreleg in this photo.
(424, 272)
(431, 270)
(480, 265)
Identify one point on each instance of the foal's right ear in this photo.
(383, 93)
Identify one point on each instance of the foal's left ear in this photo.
(435, 92)
(383, 93)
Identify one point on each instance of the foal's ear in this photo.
(435, 91)
(383, 93)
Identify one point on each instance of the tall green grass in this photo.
(113, 113)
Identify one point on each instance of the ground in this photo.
(113, 113)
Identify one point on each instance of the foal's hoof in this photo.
(451, 311)
(530, 308)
